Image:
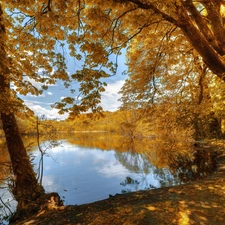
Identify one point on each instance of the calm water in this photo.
(89, 167)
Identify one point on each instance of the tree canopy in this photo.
(175, 57)
(157, 34)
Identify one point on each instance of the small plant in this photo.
(51, 142)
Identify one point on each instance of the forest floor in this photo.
(199, 202)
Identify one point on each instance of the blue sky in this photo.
(41, 105)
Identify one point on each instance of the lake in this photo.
(86, 167)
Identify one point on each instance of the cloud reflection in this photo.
(84, 174)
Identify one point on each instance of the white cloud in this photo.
(49, 113)
(110, 96)
(109, 102)
(113, 169)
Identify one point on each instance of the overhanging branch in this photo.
(154, 8)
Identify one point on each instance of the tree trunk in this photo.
(210, 46)
(26, 187)
(211, 57)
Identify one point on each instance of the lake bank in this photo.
(199, 202)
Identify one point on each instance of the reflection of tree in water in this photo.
(170, 166)
(129, 181)
(135, 163)
(140, 164)
(5, 204)
(202, 165)
(6, 201)
(166, 178)
(9, 209)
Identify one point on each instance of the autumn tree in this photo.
(33, 38)
(165, 66)
(202, 23)
(27, 56)
(100, 28)
(37, 36)
(23, 173)
(218, 95)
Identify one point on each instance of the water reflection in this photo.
(171, 164)
(83, 175)
(199, 166)
(87, 167)
(7, 204)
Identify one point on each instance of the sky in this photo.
(41, 105)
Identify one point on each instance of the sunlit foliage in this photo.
(174, 48)
(42, 34)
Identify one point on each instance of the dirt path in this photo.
(201, 202)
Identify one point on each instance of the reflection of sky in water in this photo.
(81, 175)
(8, 200)
(86, 174)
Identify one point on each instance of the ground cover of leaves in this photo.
(200, 202)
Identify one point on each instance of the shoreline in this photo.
(196, 202)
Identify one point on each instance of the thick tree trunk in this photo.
(208, 43)
(26, 187)
(211, 57)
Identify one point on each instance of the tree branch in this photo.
(213, 60)
(216, 22)
(154, 8)
(201, 23)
